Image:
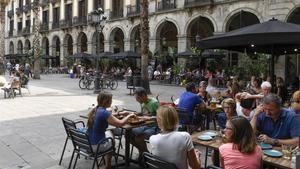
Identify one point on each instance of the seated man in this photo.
(266, 88)
(149, 107)
(276, 125)
(189, 100)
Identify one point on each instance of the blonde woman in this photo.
(99, 119)
(295, 102)
(170, 141)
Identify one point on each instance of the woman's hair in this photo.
(103, 99)
(169, 117)
(229, 101)
(243, 137)
(295, 102)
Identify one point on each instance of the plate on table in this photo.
(273, 153)
(210, 133)
(265, 146)
(205, 137)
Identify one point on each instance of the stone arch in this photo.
(166, 34)
(11, 48)
(198, 28)
(45, 52)
(97, 42)
(158, 25)
(27, 46)
(20, 47)
(236, 16)
(135, 39)
(68, 45)
(117, 37)
(82, 40)
(193, 19)
(112, 31)
(294, 15)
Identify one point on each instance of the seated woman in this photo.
(98, 120)
(229, 110)
(295, 102)
(181, 142)
(241, 151)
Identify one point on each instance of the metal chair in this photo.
(154, 162)
(82, 146)
(68, 124)
(185, 120)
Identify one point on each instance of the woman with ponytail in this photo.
(99, 119)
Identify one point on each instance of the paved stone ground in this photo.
(32, 134)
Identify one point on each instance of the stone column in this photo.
(90, 6)
(153, 42)
(89, 46)
(61, 54)
(62, 10)
(182, 43)
(127, 44)
(50, 15)
(107, 47)
(75, 8)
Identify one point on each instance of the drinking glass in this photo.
(287, 151)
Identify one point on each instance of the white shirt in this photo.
(240, 112)
(172, 147)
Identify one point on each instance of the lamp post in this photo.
(99, 19)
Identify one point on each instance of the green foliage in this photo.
(196, 50)
(250, 65)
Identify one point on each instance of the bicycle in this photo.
(108, 82)
(87, 81)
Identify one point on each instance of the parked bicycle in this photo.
(108, 82)
(87, 81)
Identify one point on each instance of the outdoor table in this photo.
(216, 142)
(209, 114)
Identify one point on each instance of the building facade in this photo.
(66, 25)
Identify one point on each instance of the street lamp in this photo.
(99, 20)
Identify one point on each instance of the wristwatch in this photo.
(274, 141)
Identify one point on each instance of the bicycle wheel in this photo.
(113, 84)
(90, 84)
(82, 84)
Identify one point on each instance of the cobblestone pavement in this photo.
(32, 134)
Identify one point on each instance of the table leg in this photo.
(127, 148)
(206, 154)
(207, 120)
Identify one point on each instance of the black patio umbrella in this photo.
(103, 55)
(186, 54)
(209, 53)
(82, 55)
(272, 37)
(126, 54)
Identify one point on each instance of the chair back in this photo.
(80, 141)
(154, 162)
(183, 115)
(68, 124)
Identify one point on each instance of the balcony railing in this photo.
(53, 1)
(19, 32)
(55, 25)
(78, 21)
(192, 3)
(27, 8)
(26, 31)
(133, 10)
(44, 27)
(10, 33)
(10, 13)
(166, 5)
(19, 10)
(116, 13)
(65, 23)
(44, 3)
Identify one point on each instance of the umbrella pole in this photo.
(272, 69)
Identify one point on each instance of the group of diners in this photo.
(244, 119)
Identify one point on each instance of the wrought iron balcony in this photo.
(27, 8)
(44, 3)
(65, 23)
(53, 1)
(26, 31)
(116, 13)
(166, 5)
(133, 10)
(19, 10)
(55, 25)
(193, 3)
(19, 32)
(10, 13)
(78, 21)
(44, 27)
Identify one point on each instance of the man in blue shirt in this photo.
(276, 125)
(189, 100)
